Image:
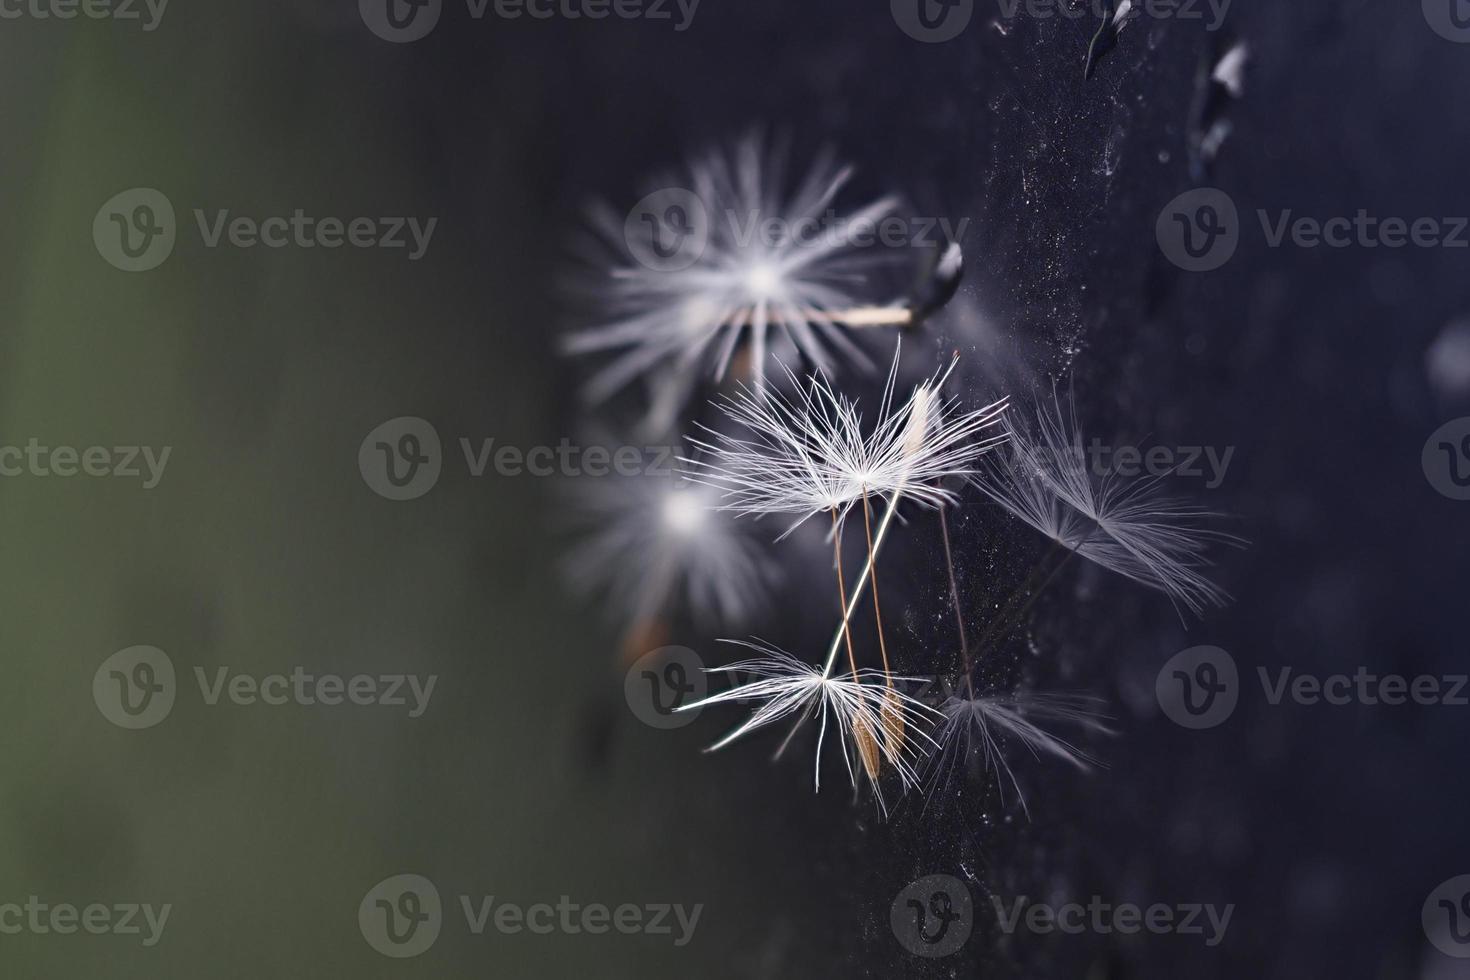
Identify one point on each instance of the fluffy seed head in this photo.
(783, 687)
(811, 453)
(1126, 526)
(769, 265)
(984, 725)
(649, 541)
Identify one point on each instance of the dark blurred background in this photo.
(528, 778)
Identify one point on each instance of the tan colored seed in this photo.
(867, 745)
(892, 718)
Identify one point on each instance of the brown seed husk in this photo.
(892, 719)
(867, 745)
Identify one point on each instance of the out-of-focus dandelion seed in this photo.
(1447, 363)
(982, 726)
(652, 541)
(742, 285)
(1230, 70)
(1127, 527)
(1220, 82)
(1113, 24)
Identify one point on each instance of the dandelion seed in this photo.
(983, 725)
(784, 686)
(1218, 85)
(867, 744)
(807, 454)
(1126, 527)
(744, 285)
(651, 540)
(1230, 71)
(892, 717)
(1108, 31)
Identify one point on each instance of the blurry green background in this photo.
(263, 549)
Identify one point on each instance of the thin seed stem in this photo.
(1094, 50)
(842, 590)
(1027, 588)
(862, 580)
(877, 612)
(1036, 593)
(856, 318)
(954, 598)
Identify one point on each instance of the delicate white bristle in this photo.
(984, 725)
(651, 541)
(811, 453)
(783, 686)
(1127, 527)
(670, 327)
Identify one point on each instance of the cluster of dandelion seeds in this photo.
(789, 444)
(812, 453)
